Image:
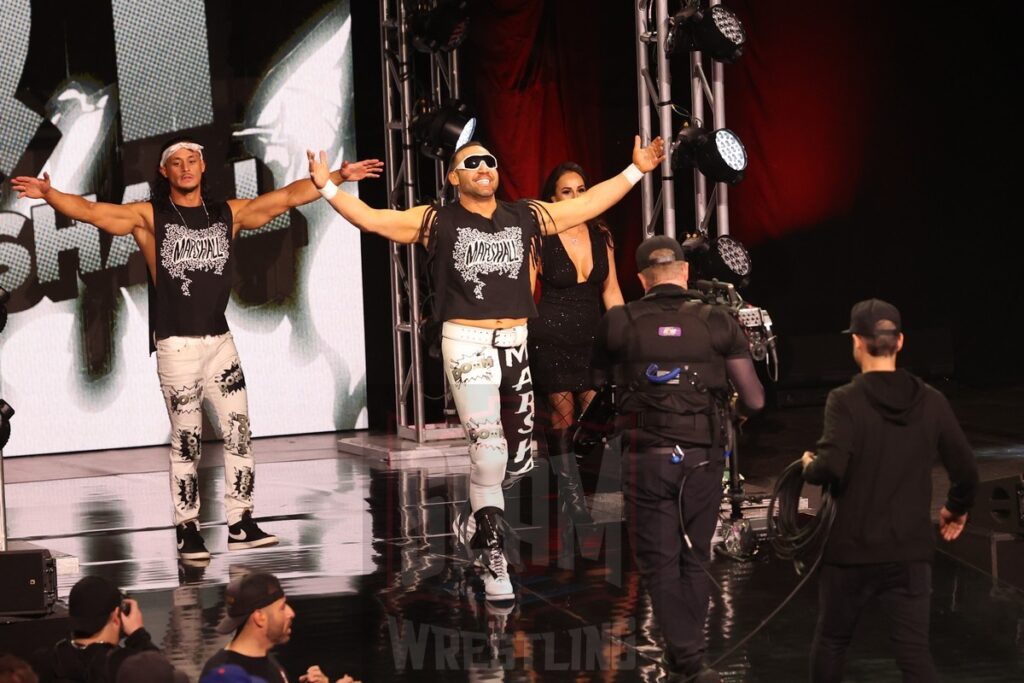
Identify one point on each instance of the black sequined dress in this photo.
(561, 338)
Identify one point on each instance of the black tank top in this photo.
(481, 266)
(193, 270)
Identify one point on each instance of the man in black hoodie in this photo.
(100, 617)
(882, 435)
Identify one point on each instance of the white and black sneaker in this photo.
(190, 542)
(245, 534)
(488, 542)
(497, 584)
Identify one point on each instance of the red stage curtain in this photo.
(537, 89)
(803, 98)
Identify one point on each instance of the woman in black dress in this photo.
(578, 282)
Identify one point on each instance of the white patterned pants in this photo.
(192, 369)
(493, 393)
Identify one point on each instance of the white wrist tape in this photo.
(329, 190)
(633, 174)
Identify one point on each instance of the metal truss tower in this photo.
(654, 92)
(405, 190)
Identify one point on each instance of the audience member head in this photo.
(226, 673)
(257, 610)
(149, 666)
(94, 608)
(15, 670)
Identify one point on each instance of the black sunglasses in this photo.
(473, 161)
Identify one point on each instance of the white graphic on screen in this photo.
(307, 351)
(187, 251)
(486, 253)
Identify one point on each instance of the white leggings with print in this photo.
(192, 369)
(490, 380)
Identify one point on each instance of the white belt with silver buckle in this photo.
(508, 337)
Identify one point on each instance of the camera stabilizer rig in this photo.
(739, 539)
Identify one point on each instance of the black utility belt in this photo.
(692, 455)
(656, 419)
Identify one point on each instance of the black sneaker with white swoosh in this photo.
(245, 534)
(190, 542)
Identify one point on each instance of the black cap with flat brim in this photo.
(872, 317)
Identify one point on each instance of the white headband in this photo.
(180, 145)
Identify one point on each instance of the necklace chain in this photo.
(178, 211)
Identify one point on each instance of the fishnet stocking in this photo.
(566, 407)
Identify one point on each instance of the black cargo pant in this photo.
(679, 592)
(904, 588)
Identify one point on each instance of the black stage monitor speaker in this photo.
(28, 582)
(999, 505)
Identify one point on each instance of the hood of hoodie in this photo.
(894, 395)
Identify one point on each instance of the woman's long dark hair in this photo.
(548, 191)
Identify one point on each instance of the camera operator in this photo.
(880, 440)
(100, 617)
(671, 358)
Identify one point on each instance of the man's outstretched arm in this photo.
(605, 195)
(117, 219)
(250, 214)
(397, 226)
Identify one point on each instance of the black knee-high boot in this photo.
(571, 501)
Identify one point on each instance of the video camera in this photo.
(756, 323)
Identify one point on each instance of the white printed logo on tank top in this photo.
(185, 251)
(483, 253)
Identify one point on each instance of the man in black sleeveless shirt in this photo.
(481, 250)
(188, 245)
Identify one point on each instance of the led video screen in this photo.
(74, 357)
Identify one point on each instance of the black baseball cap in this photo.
(245, 595)
(656, 243)
(865, 317)
(90, 603)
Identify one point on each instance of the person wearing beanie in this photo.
(100, 618)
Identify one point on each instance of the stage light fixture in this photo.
(716, 31)
(722, 258)
(440, 131)
(6, 413)
(438, 25)
(5, 296)
(718, 154)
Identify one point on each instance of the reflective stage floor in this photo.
(368, 562)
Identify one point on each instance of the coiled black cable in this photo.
(791, 539)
